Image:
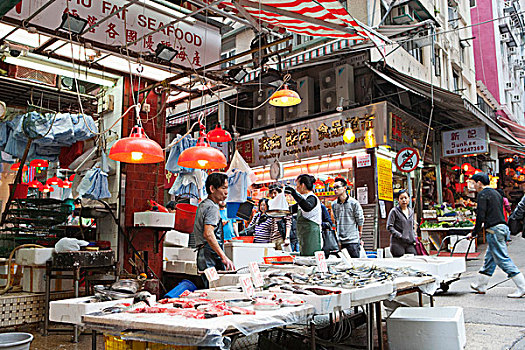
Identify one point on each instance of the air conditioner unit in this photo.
(402, 15)
(509, 85)
(513, 50)
(507, 6)
(505, 37)
(305, 89)
(267, 114)
(522, 74)
(336, 87)
(516, 98)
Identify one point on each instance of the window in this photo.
(437, 63)
(225, 55)
(414, 51)
(453, 17)
(456, 81)
(472, 3)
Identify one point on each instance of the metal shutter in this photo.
(369, 229)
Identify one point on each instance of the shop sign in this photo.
(407, 159)
(363, 160)
(406, 131)
(465, 141)
(197, 44)
(317, 137)
(385, 190)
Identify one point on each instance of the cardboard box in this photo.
(33, 280)
(72, 310)
(176, 239)
(178, 253)
(430, 328)
(154, 219)
(34, 256)
(3, 271)
(186, 267)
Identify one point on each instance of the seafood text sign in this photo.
(321, 261)
(211, 274)
(247, 286)
(257, 278)
(197, 44)
(465, 141)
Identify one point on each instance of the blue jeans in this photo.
(497, 253)
(294, 246)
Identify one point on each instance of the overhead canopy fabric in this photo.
(304, 17)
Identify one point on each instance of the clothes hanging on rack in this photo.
(83, 126)
(190, 183)
(171, 163)
(3, 135)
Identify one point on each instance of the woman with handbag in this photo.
(261, 224)
(401, 225)
(330, 244)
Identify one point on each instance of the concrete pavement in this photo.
(492, 321)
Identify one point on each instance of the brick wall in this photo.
(143, 181)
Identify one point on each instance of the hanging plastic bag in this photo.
(238, 162)
(69, 245)
(362, 253)
(85, 183)
(278, 203)
(99, 186)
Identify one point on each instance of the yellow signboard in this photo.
(385, 188)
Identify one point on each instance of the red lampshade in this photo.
(54, 181)
(46, 188)
(219, 135)
(202, 156)
(40, 163)
(477, 171)
(137, 148)
(262, 189)
(467, 167)
(285, 98)
(16, 166)
(34, 184)
(456, 168)
(329, 181)
(66, 184)
(72, 177)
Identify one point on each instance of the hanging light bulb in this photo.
(202, 156)
(466, 167)
(285, 97)
(349, 135)
(370, 138)
(137, 148)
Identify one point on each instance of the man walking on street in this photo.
(489, 214)
(349, 218)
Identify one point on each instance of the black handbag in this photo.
(515, 226)
(330, 241)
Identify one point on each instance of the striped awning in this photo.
(324, 18)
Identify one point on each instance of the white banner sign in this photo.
(465, 141)
(363, 161)
(197, 44)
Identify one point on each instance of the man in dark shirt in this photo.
(489, 214)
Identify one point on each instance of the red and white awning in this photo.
(324, 18)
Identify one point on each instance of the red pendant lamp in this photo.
(39, 163)
(285, 98)
(219, 135)
(54, 181)
(46, 189)
(66, 184)
(137, 148)
(34, 184)
(456, 168)
(16, 166)
(202, 156)
(72, 177)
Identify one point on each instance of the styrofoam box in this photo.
(187, 267)
(177, 253)
(462, 246)
(440, 267)
(72, 310)
(33, 256)
(429, 328)
(323, 304)
(242, 254)
(176, 239)
(372, 292)
(33, 280)
(154, 219)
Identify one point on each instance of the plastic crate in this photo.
(278, 259)
(115, 343)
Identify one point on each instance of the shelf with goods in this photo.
(33, 220)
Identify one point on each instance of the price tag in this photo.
(247, 286)
(211, 274)
(258, 280)
(321, 262)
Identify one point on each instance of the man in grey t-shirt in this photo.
(209, 237)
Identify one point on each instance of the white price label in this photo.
(258, 280)
(211, 274)
(247, 286)
(321, 261)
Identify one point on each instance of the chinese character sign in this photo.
(465, 141)
(198, 43)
